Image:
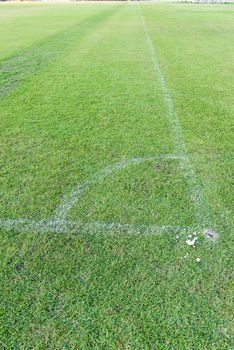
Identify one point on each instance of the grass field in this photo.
(116, 145)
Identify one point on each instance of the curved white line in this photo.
(59, 224)
(69, 201)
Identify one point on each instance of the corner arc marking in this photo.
(70, 200)
(59, 223)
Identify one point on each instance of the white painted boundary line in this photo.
(59, 224)
(196, 194)
(78, 227)
(69, 201)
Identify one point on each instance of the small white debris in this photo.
(191, 242)
(177, 236)
(194, 233)
(198, 259)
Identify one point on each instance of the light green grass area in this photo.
(116, 144)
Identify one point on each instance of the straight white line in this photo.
(59, 224)
(78, 227)
(185, 162)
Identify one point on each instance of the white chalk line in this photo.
(78, 227)
(59, 223)
(196, 194)
(70, 200)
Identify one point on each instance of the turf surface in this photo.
(96, 202)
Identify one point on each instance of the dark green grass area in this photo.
(79, 95)
(20, 67)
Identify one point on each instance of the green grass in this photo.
(79, 94)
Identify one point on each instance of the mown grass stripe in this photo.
(17, 69)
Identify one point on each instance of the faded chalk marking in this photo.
(69, 201)
(65, 226)
(59, 223)
(196, 194)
